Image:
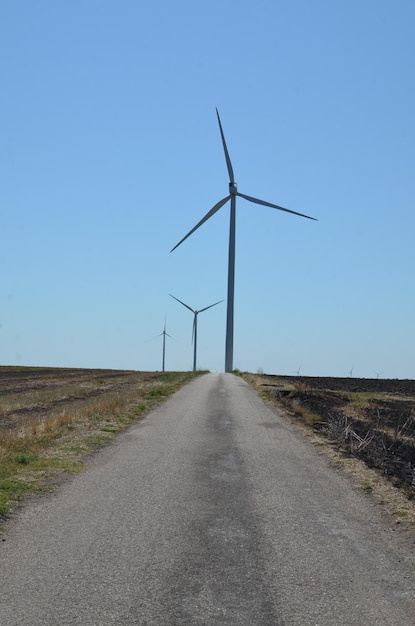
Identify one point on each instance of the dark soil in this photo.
(372, 419)
(46, 390)
(371, 385)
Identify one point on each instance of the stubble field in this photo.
(52, 418)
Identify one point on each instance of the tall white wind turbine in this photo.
(233, 192)
(194, 334)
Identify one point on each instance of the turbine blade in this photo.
(228, 161)
(194, 328)
(212, 211)
(187, 307)
(274, 206)
(152, 338)
(210, 306)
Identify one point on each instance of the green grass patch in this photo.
(111, 428)
(138, 409)
(97, 440)
(359, 399)
(367, 487)
(22, 459)
(158, 393)
(10, 492)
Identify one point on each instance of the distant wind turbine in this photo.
(164, 344)
(233, 192)
(194, 334)
(164, 334)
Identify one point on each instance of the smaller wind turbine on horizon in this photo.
(194, 333)
(165, 334)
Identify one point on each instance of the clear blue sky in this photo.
(110, 153)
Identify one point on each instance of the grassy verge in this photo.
(51, 444)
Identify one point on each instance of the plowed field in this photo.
(27, 393)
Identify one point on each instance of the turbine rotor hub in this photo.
(233, 189)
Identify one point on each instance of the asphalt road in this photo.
(212, 510)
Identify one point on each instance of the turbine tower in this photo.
(194, 334)
(233, 193)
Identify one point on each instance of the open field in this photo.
(371, 420)
(51, 418)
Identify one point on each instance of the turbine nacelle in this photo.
(233, 189)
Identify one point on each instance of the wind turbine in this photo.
(164, 334)
(164, 344)
(233, 192)
(194, 334)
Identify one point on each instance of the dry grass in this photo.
(46, 433)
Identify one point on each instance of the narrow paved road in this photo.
(212, 510)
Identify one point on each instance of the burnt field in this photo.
(371, 419)
(394, 386)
